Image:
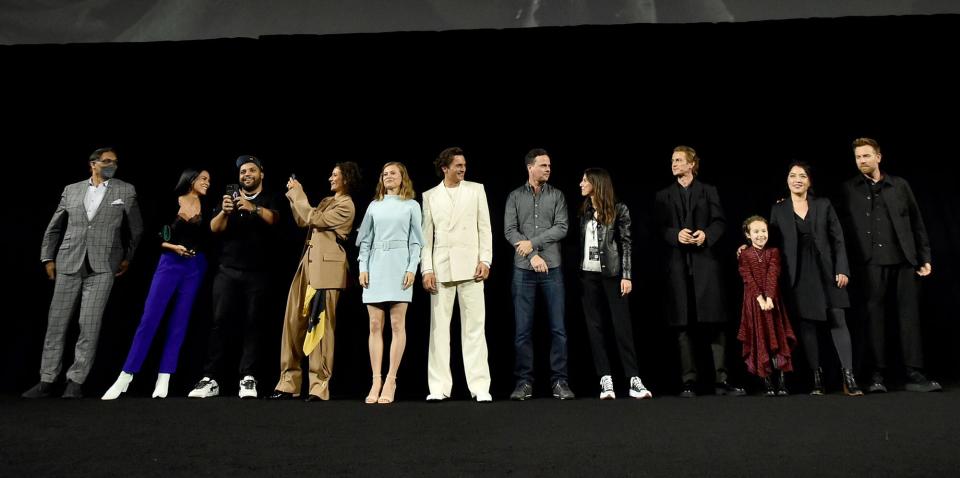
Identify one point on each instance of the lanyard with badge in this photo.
(593, 252)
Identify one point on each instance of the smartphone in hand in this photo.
(233, 190)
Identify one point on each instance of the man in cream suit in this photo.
(89, 241)
(455, 261)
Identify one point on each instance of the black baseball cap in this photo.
(247, 158)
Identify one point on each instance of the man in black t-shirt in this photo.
(243, 222)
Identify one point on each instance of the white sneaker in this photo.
(606, 388)
(637, 390)
(205, 388)
(484, 397)
(248, 387)
(435, 397)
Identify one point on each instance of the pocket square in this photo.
(117, 202)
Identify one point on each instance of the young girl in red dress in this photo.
(765, 330)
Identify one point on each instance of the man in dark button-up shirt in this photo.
(534, 222)
(892, 250)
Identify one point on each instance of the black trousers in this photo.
(687, 339)
(238, 304)
(601, 297)
(837, 324)
(690, 334)
(899, 282)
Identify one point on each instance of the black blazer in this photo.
(827, 235)
(615, 243)
(904, 215)
(707, 215)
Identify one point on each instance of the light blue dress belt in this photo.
(387, 245)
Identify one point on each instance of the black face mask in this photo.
(107, 172)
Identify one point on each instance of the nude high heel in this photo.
(386, 396)
(374, 390)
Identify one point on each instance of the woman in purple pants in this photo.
(178, 276)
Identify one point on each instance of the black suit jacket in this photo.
(827, 235)
(904, 215)
(706, 214)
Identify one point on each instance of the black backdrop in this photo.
(749, 97)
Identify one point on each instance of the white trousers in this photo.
(472, 338)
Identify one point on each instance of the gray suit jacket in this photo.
(70, 237)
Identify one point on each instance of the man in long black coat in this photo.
(890, 247)
(690, 220)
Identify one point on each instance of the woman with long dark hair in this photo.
(816, 273)
(605, 273)
(390, 240)
(178, 277)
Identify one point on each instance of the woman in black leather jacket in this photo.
(605, 268)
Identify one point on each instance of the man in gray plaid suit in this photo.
(89, 241)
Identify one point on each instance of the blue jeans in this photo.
(526, 283)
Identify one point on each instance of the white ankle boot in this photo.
(163, 381)
(118, 387)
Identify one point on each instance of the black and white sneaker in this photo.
(524, 391)
(248, 387)
(637, 390)
(205, 388)
(561, 390)
(606, 388)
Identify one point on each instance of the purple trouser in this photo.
(176, 278)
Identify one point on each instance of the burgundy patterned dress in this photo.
(765, 335)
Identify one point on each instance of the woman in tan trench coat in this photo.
(310, 318)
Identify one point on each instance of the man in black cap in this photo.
(243, 221)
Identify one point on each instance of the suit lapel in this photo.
(811, 213)
(462, 198)
(77, 196)
(696, 191)
(442, 206)
(108, 197)
(328, 202)
(788, 228)
(677, 202)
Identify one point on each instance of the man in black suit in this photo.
(891, 246)
(690, 220)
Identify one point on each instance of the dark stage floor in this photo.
(896, 434)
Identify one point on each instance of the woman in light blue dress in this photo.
(390, 239)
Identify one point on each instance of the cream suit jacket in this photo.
(457, 236)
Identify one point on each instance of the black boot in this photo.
(817, 382)
(876, 383)
(850, 387)
(771, 390)
(917, 382)
(724, 388)
(782, 385)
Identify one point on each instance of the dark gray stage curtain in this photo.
(74, 21)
